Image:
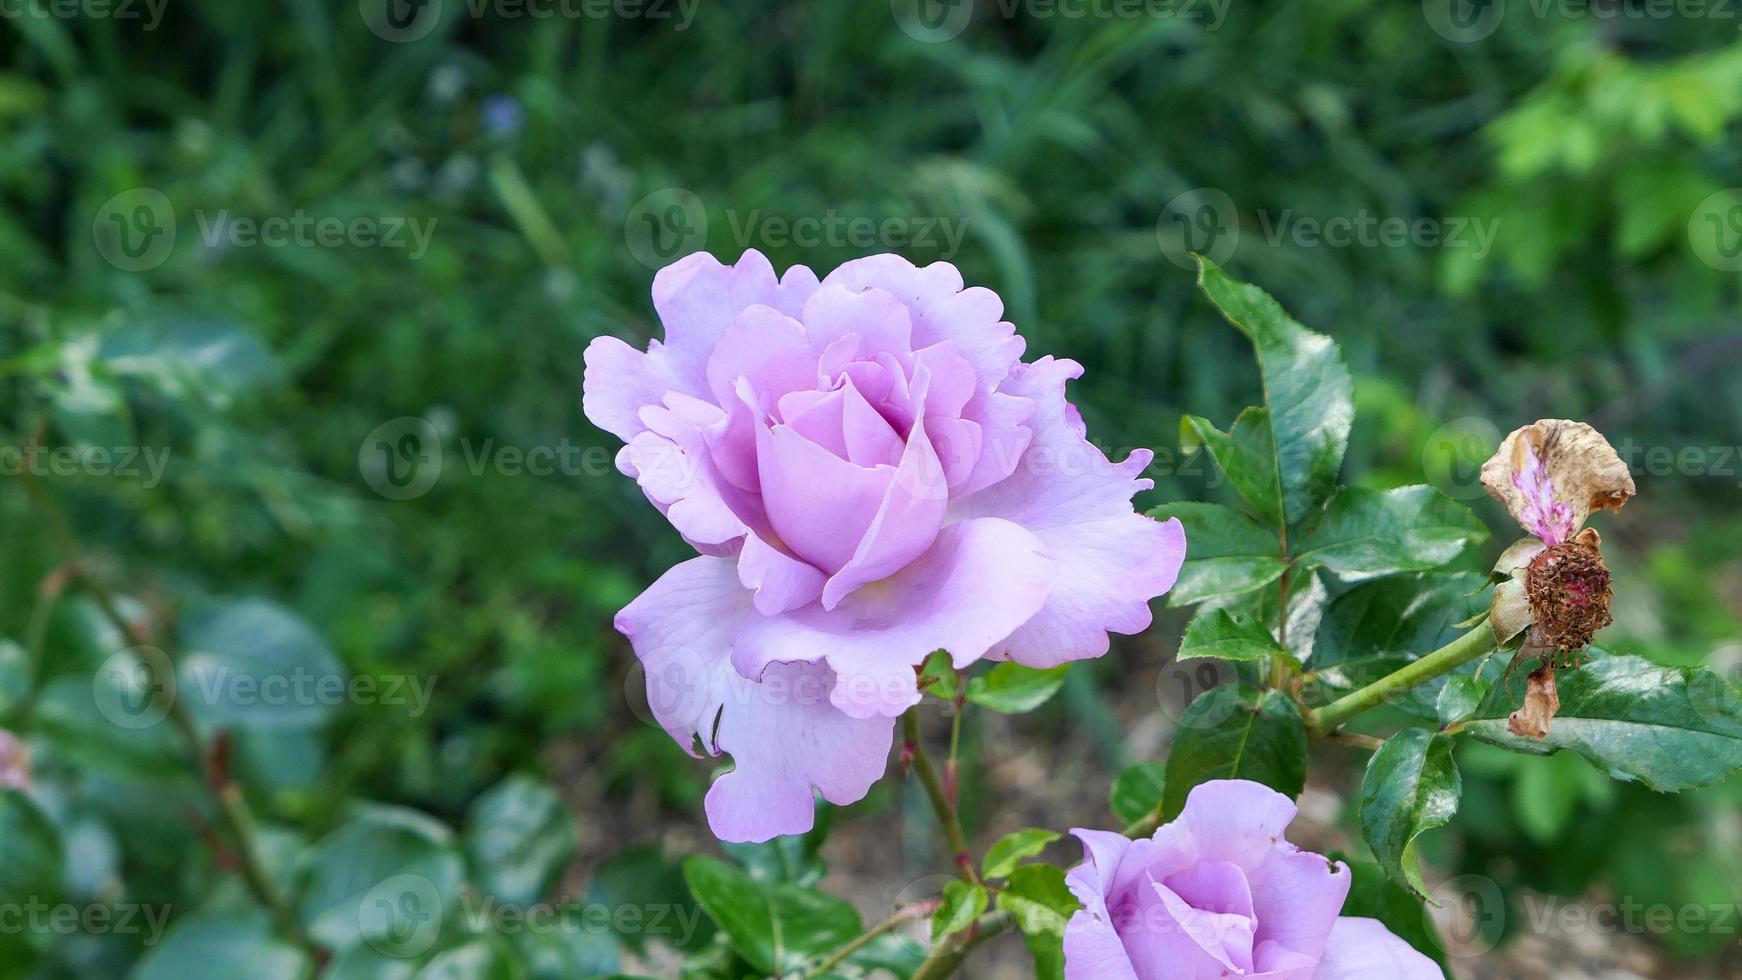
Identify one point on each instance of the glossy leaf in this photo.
(1137, 790)
(388, 875)
(518, 835)
(1037, 897)
(778, 928)
(223, 947)
(1365, 533)
(1227, 553)
(962, 904)
(1014, 848)
(1246, 454)
(1222, 635)
(1236, 732)
(1670, 728)
(1307, 390)
(1012, 688)
(1411, 786)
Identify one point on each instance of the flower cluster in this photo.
(871, 473)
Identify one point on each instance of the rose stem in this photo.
(940, 802)
(1476, 643)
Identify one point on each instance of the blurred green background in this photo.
(293, 297)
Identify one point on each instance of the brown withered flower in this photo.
(1553, 590)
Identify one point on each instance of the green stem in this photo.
(946, 957)
(232, 807)
(840, 956)
(940, 801)
(1472, 645)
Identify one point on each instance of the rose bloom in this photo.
(1219, 893)
(871, 473)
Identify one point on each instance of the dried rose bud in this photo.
(1568, 589)
(1553, 590)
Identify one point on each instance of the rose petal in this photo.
(670, 462)
(1169, 940)
(878, 319)
(697, 298)
(619, 381)
(1362, 949)
(1553, 474)
(819, 504)
(942, 310)
(781, 581)
(1236, 820)
(980, 580)
(766, 347)
(1111, 561)
(785, 739)
(1296, 895)
(783, 735)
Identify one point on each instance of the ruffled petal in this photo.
(681, 629)
(783, 734)
(1111, 561)
(980, 580)
(942, 310)
(767, 347)
(697, 298)
(1362, 949)
(670, 462)
(619, 381)
(876, 318)
(786, 738)
(1236, 820)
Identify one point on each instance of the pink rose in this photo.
(871, 473)
(1219, 893)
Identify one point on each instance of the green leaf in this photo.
(32, 857)
(223, 947)
(253, 664)
(1137, 790)
(1037, 896)
(1670, 728)
(479, 959)
(1236, 732)
(1307, 390)
(1368, 533)
(1227, 553)
(1374, 896)
(1247, 454)
(794, 858)
(565, 953)
(1012, 688)
(641, 876)
(962, 904)
(518, 835)
(1399, 616)
(363, 963)
(938, 676)
(1411, 786)
(388, 876)
(1458, 699)
(778, 928)
(1012, 849)
(1219, 634)
(108, 722)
